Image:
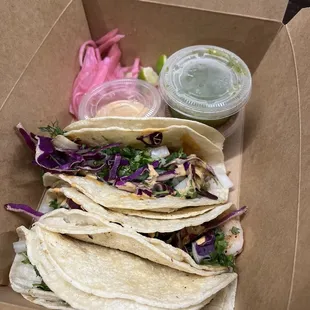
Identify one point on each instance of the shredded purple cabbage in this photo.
(220, 221)
(21, 208)
(207, 194)
(93, 152)
(124, 162)
(153, 139)
(27, 137)
(141, 191)
(116, 163)
(166, 176)
(186, 165)
(72, 204)
(203, 251)
(134, 175)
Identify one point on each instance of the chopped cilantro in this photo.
(124, 171)
(143, 177)
(129, 152)
(36, 271)
(174, 155)
(53, 129)
(26, 260)
(103, 173)
(218, 257)
(177, 194)
(54, 204)
(42, 286)
(235, 230)
(137, 159)
(112, 150)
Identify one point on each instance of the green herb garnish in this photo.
(174, 155)
(26, 260)
(235, 230)
(218, 257)
(53, 129)
(177, 194)
(54, 204)
(143, 176)
(124, 171)
(128, 152)
(112, 150)
(137, 159)
(42, 286)
(103, 173)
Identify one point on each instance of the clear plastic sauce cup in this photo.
(124, 97)
(205, 83)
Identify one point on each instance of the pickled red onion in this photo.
(96, 69)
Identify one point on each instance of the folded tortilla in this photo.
(88, 276)
(174, 137)
(143, 123)
(139, 224)
(23, 276)
(176, 214)
(113, 198)
(63, 295)
(91, 228)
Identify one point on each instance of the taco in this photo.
(204, 244)
(153, 122)
(66, 195)
(80, 275)
(178, 250)
(199, 244)
(158, 169)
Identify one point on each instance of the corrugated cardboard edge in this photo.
(299, 34)
(264, 9)
(70, 28)
(269, 184)
(248, 37)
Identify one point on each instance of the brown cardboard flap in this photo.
(10, 300)
(299, 33)
(269, 182)
(24, 24)
(153, 29)
(259, 8)
(40, 96)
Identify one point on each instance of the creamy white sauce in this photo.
(122, 108)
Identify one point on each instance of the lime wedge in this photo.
(160, 63)
(149, 75)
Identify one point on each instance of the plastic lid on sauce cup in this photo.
(205, 82)
(124, 97)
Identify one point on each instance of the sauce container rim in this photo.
(116, 86)
(198, 107)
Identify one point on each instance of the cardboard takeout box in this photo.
(267, 158)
